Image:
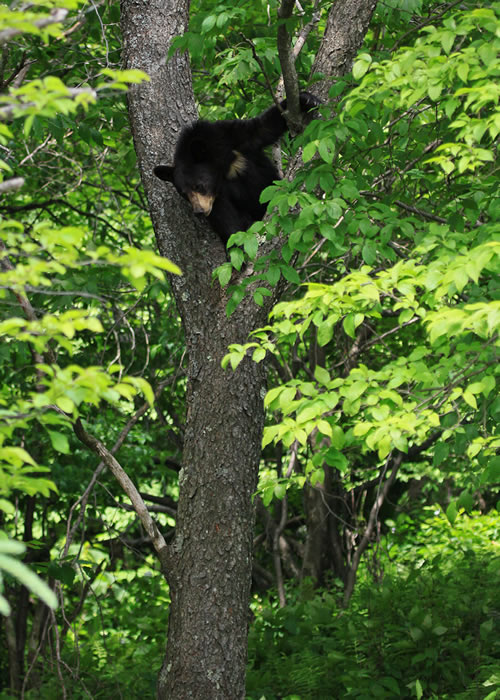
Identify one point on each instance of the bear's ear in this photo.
(164, 172)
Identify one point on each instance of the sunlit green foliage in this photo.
(402, 199)
(59, 272)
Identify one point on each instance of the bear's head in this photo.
(195, 182)
(203, 161)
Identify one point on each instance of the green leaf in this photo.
(469, 398)
(273, 275)
(434, 91)
(59, 442)
(7, 507)
(259, 354)
(355, 390)
(447, 41)
(280, 491)
(11, 546)
(369, 252)
(452, 512)
(405, 316)
(290, 274)
(317, 476)
(348, 325)
(441, 452)
(224, 273)
(267, 496)
(337, 437)
(361, 65)
(286, 398)
(463, 71)
(309, 151)
(251, 245)
(321, 375)
(258, 298)
(325, 428)
(208, 23)
(65, 573)
(325, 333)
(335, 458)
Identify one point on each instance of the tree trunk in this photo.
(209, 569)
(210, 561)
(347, 24)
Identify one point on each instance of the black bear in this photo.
(221, 169)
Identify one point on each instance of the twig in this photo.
(261, 66)
(277, 537)
(372, 519)
(418, 27)
(388, 177)
(420, 212)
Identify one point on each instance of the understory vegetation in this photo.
(427, 627)
(423, 622)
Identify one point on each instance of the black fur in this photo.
(221, 169)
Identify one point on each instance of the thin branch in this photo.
(420, 212)
(277, 537)
(418, 27)
(300, 43)
(29, 312)
(157, 539)
(262, 68)
(83, 500)
(287, 62)
(372, 519)
(388, 177)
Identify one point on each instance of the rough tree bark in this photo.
(209, 563)
(347, 24)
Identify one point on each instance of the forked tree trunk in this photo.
(210, 560)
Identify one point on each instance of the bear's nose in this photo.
(201, 203)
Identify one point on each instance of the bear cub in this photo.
(221, 169)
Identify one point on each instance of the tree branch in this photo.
(100, 468)
(299, 44)
(157, 539)
(287, 61)
(372, 519)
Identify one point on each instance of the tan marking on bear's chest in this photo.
(238, 166)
